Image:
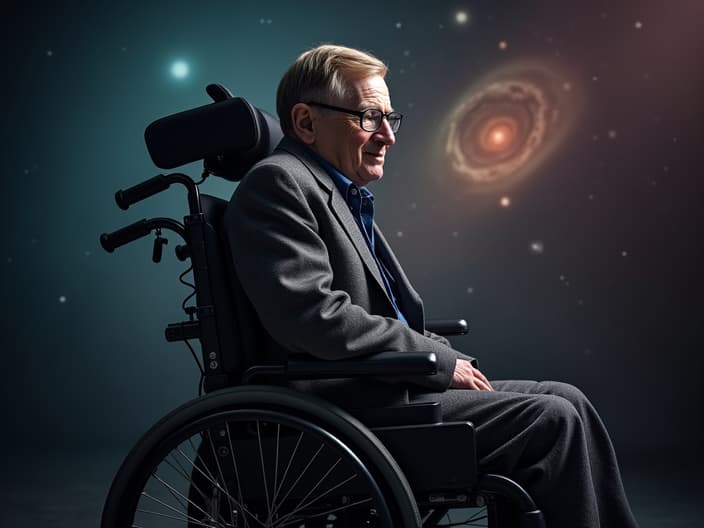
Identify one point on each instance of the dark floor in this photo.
(62, 489)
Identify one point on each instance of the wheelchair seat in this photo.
(252, 452)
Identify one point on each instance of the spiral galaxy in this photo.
(507, 124)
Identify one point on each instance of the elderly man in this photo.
(324, 282)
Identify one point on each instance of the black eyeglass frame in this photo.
(360, 114)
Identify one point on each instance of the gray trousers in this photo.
(548, 437)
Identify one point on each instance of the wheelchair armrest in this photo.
(446, 327)
(382, 364)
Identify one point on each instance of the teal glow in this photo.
(179, 69)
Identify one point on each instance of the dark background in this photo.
(611, 304)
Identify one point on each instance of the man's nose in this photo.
(384, 133)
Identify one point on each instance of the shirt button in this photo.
(353, 191)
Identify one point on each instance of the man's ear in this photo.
(302, 120)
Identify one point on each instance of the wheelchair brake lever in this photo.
(157, 251)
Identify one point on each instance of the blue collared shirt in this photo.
(361, 203)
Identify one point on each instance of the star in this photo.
(179, 69)
(461, 17)
(536, 247)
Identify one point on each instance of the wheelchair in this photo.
(250, 452)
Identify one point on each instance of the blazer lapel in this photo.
(339, 208)
(408, 299)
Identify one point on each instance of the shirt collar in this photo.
(342, 182)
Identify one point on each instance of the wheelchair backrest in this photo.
(230, 135)
(239, 332)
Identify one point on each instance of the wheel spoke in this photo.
(181, 471)
(185, 517)
(266, 487)
(237, 474)
(199, 459)
(180, 498)
(217, 485)
(300, 506)
(222, 478)
(302, 474)
(288, 466)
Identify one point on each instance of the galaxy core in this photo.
(505, 126)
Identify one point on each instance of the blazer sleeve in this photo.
(444, 340)
(271, 226)
(436, 337)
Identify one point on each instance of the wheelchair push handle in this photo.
(125, 198)
(125, 235)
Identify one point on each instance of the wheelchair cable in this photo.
(200, 367)
(204, 175)
(190, 310)
(190, 295)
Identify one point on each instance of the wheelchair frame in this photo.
(382, 448)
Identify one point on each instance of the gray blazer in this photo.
(315, 287)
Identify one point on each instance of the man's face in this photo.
(341, 141)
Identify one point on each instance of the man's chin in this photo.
(373, 176)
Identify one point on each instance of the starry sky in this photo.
(586, 268)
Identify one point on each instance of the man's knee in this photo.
(558, 414)
(569, 392)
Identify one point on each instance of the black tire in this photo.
(259, 456)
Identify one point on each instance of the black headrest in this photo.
(230, 135)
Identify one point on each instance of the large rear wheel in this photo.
(259, 457)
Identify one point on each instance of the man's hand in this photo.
(468, 377)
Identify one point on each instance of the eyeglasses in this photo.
(369, 119)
